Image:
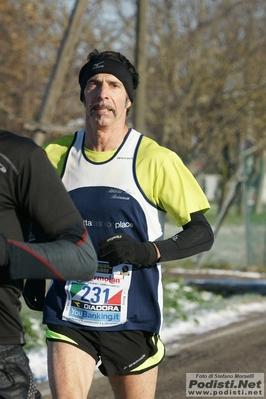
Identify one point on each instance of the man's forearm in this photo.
(61, 259)
(196, 237)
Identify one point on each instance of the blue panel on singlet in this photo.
(107, 211)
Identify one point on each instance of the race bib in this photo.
(102, 301)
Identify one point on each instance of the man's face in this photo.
(106, 100)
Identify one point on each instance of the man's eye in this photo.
(90, 85)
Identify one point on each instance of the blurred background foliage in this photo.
(206, 69)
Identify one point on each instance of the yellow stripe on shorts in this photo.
(153, 360)
(54, 335)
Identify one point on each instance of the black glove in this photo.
(121, 248)
(34, 294)
(3, 251)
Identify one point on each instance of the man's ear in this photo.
(128, 103)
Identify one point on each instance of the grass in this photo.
(180, 300)
(238, 244)
(235, 216)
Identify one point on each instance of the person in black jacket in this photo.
(32, 192)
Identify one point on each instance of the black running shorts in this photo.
(118, 352)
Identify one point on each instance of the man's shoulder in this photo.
(153, 149)
(17, 149)
(63, 141)
(12, 140)
(57, 150)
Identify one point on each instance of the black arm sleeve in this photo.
(70, 256)
(196, 237)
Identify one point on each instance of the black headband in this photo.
(107, 65)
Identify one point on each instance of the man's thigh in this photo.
(136, 386)
(70, 371)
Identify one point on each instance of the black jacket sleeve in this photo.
(70, 256)
(32, 192)
(196, 237)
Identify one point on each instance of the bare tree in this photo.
(206, 80)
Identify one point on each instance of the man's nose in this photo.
(103, 90)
